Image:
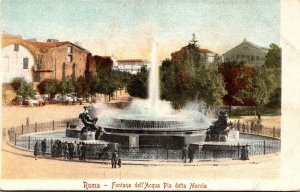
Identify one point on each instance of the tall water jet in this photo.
(151, 121)
(153, 82)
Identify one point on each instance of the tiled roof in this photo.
(204, 50)
(34, 46)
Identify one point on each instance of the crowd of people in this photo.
(247, 127)
(62, 149)
(69, 150)
(188, 152)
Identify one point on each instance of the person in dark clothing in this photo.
(55, 149)
(65, 149)
(36, 150)
(83, 151)
(71, 151)
(191, 154)
(114, 157)
(184, 153)
(119, 162)
(44, 146)
(244, 153)
(59, 148)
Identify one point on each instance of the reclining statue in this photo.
(219, 130)
(89, 122)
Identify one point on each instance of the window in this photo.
(25, 63)
(252, 58)
(63, 71)
(16, 47)
(243, 56)
(70, 50)
(69, 58)
(257, 58)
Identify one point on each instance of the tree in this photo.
(106, 83)
(137, 86)
(22, 88)
(82, 86)
(193, 42)
(265, 85)
(67, 86)
(238, 82)
(49, 86)
(273, 57)
(184, 77)
(209, 84)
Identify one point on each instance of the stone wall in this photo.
(58, 63)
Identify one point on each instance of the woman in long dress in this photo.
(36, 150)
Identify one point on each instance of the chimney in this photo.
(52, 40)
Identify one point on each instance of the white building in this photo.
(130, 65)
(206, 55)
(17, 61)
(246, 52)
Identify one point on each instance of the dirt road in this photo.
(28, 168)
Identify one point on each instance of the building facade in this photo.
(37, 61)
(206, 56)
(17, 61)
(246, 52)
(130, 65)
(66, 60)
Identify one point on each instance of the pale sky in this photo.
(126, 28)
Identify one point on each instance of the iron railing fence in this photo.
(157, 152)
(264, 131)
(101, 151)
(15, 132)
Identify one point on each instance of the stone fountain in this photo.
(151, 122)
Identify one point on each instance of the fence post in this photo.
(29, 143)
(264, 147)
(22, 129)
(51, 147)
(273, 132)
(238, 151)
(15, 139)
(53, 125)
(35, 127)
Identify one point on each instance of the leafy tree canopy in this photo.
(22, 88)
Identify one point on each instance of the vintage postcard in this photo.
(149, 95)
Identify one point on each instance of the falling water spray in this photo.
(153, 86)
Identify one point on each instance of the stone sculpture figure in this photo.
(89, 122)
(219, 130)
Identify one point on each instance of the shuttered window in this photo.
(25, 63)
(16, 47)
